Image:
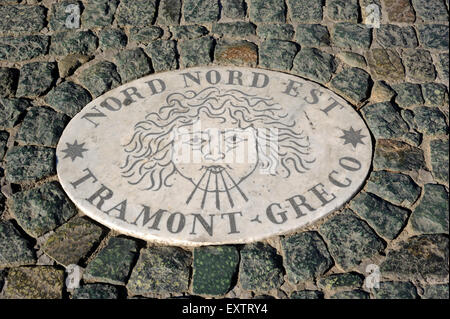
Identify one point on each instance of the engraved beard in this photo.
(224, 159)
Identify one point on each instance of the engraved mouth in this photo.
(215, 169)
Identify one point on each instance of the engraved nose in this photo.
(215, 156)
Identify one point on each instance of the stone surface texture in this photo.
(49, 72)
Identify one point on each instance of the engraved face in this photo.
(215, 160)
(215, 140)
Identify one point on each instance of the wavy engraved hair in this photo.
(149, 151)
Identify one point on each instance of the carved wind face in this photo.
(215, 159)
(214, 139)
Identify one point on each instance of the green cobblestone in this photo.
(113, 263)
(279, 31)
(29, 163)
(214, 269)
(42, 126)
(160, 270)
(42, 209)
(136, 12)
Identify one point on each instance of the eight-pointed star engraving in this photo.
(352, 137)
(74, 150)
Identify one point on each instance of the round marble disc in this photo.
(213, 155)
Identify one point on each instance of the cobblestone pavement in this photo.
(396, 76)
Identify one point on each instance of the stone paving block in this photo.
(431, 215)
(29, 163)
(267, 11)
(8, 81)
(391, 35)
(280, 31)
(163, 55)
(96, 291)
(10, 111)
(100, 77)
(160, 270)
(22, 48)
(385, 121)
(312, 35)
(132, 64)
(70, 42)
(214, 268)
(136, 12)
(145, 35)
(399, 10)
(112, 39)
(41, 282)
(352, 83)
(42, 126)
(353, 59)
(68, 98)
(238, 52)
(36, 78)
(42, 209)
(15, 250)
(200, 11)
(233, 9)
(341, 281)
(430, 120)
(386, 65)
(434, 36)
(439, 150)
(307, 294)
(349, 239)
(187, 32)
(314, 64)
(277, 54)
(169, 12)
(113, 263)
(71, 62)
(72, 241)
(98, 13)
(22, 18)
(435, 94)
(260, 268)
(343, 10)
(419, 65)
(58, 14)
(408, 94)
(195, 52)
(420, 257)
(305, 256)
(234, 29)
(396, 188)
(443, 66)
(353, 294)
(386, 219)
(381, 92)
(395, 290)
(350, 35)
(305, 11)
(3, 141)
(436, 292)
(430, 10)
(397, 156)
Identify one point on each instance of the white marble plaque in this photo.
(213, 155)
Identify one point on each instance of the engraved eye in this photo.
(234, 139)
(195, 141)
